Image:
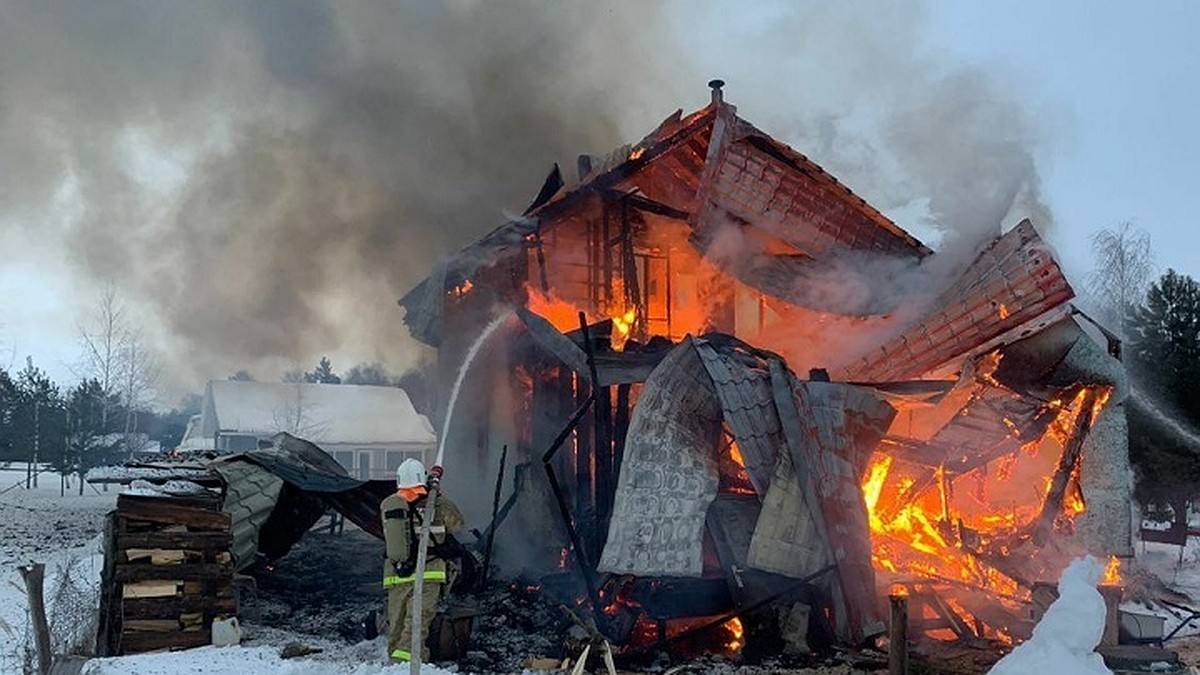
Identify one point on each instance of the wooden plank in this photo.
(168, 512)
(156, 556)
(136, 643)
(150, 589)
(145, 608)
(202, 571)
(200, 541)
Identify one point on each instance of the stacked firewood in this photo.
(167, 574)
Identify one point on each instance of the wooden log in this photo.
(167, 512)
(144, 572)
(898, 635)
(137, 643)
(199, 541)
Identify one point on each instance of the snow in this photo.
(125, 474)
(1064, 640)
(240, 661)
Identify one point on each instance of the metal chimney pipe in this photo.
(715, 85)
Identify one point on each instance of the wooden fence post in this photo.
(898, 635)
(35, 576)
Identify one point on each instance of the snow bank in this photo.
(1064, 641)
(236, 661)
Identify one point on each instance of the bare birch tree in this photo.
(1123, 271)
(103, 340)
(139, 374)
(115, 355)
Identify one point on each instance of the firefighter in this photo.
(402, 514)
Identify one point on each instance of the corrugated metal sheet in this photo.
(1014, 280)
(250, 495)
(743, 385)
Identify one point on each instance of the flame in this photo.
(736, 634)
(735, 453)
(636, 153)
(1003, 311)
(561, 314)
(461, 289)
(925, 525)
(1112, 571)
(622, 325)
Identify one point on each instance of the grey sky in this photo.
(1095, 98)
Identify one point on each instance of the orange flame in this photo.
(736, 634)
(622, 325)
(920, 525)
(1112, 571)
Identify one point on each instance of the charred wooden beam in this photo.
(736, 613)
(1067, 463)
(898, 635)
(487, 553)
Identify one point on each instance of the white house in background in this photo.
(370, 430)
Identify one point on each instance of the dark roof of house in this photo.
(746, 175)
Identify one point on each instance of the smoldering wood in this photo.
(487, 555)
(734, 614)
(580, 554)
(1067, 464)
(898, 635)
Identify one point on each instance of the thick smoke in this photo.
(264, 179)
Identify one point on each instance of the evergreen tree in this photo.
(323, 374)
(1163, 352)
(9, 404)
(1165, 343)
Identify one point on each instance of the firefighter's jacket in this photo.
(402, 536)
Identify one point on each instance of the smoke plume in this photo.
(264, 179)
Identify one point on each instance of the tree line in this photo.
(1158, 320)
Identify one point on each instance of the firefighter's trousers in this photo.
(400, 609)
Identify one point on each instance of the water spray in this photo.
(435, 484)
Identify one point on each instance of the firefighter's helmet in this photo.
(410, 474)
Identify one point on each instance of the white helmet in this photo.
(410, 473)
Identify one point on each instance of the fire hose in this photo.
(434, 482)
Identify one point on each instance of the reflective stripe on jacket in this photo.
(430, 575)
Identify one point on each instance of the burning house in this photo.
(731, 384)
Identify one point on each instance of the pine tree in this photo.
(1165, 342)
(324, 373)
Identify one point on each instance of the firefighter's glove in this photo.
(405, 568)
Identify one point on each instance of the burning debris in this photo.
(688, 476)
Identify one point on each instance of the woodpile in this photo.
(167, 574)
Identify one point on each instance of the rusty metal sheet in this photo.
(669, 473)
(1014, 280)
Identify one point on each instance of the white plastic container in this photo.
(226, 631)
